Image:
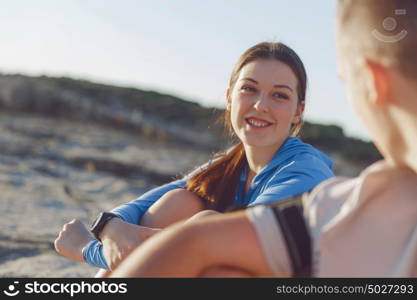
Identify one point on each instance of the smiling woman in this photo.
(263, 111)
(265, 104)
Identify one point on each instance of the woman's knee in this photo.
(173, 206)
(203, 214)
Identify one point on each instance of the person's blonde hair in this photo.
(363, 22)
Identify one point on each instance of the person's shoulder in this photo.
(325, 202)
(313, 159)
(303, 167)
(299, 145)
(309, 164)
(304, 152)
(330, 194)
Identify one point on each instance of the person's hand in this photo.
(71, 240)
(120, 238)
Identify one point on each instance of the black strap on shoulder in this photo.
(289, 214)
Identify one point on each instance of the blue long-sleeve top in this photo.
(295, 168)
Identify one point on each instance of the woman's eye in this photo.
(281, 96)
(247, 88)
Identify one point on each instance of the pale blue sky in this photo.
(183, 47)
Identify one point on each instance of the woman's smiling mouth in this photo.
(257, 123)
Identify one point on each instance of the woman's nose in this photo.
(261, 102)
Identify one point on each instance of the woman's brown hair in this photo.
(217, 184)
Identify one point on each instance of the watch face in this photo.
(100, 222)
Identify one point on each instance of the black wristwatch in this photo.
(100, 222)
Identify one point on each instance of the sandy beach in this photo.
(52, 171)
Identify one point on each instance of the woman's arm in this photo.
(131, 212)
(188, 249)
(120, 238)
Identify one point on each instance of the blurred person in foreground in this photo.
(359, 227)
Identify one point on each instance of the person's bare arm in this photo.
(174, 206)
(186, 250)
(120, 238)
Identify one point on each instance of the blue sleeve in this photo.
(294, 179)
(130, 212)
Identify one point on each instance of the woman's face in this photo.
(263, 103)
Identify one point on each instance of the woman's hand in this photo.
(120, 238)
(71, 240)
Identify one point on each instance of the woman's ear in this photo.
(380, 92)
(299, 113)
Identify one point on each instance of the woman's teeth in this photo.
(257, 123)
